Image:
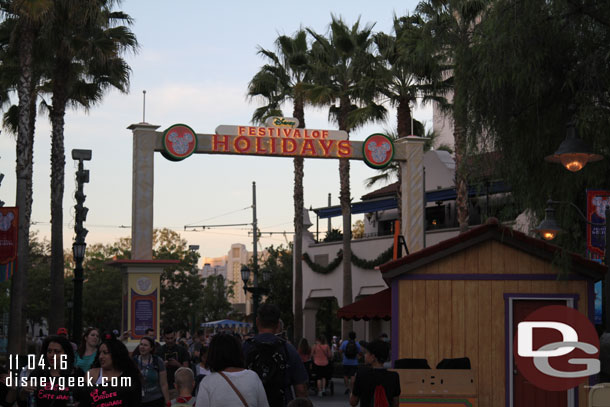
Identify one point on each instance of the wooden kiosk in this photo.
(463, 298)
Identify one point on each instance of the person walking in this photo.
(174, 356)
(58, 365)
(185, 383)
(321, 363)
(154, 376)
(304, 350)
(201, 370)
(229, 384)
(117, 380)
(87, 350)
(375, 385)
(276, 361)
(350, 350)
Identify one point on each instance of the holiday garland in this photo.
(357, 261)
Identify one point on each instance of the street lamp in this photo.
(549, 228)
(256, 291)
(79, 246)
(573, 153)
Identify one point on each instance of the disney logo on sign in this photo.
(144, 283)
(378, 152)
(276, 121)
(6, 220)
(180, 144)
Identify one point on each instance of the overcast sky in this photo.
(195, 61)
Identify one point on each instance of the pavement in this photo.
(337, 400)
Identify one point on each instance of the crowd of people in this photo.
(261, 370)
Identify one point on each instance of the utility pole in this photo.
(329, 223)
(256, 293)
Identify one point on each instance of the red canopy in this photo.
(376, 306)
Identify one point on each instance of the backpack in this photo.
(269, 361)
(380, 399)
(351, 350)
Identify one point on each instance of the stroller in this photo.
(313, 385)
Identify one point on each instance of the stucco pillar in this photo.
(142, 187)
(141, 296)
(412, 192)
(309, 324)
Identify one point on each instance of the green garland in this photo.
(371, 264)
(357, 261)
(323, 269)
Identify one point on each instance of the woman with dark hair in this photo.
(48, 384)
(229, 384)
(154, 375)
(117, 379)
(321, 363)
(201, 370)
(87, 350)
(304, 350)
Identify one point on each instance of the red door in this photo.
(526, 394)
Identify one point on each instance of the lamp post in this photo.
(255, 289)
(79, 246)
(70, 305)
(574, 154)
(549, 229)
(194, 248)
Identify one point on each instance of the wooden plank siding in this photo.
(456, 318)
(489, 258)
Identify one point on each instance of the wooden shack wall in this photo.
(455, 318)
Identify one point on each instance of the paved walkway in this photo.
(339, 399)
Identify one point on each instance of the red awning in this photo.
(376, 306)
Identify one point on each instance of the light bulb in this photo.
(548, 235)
(574, 161)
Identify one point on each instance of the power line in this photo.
(223, 214)
(203, 227)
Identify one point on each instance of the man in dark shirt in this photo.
(175, 356)
(375, 381)
(295, 375)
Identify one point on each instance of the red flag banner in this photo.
(597, 201)
(8, 234)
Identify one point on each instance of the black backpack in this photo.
(351, 350)
(269, 361)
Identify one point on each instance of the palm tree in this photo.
(87, 39)
(346, 79)
(25, 19)
(280, 80)
(449, 26)
(409, 74)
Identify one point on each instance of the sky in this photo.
(195, 61)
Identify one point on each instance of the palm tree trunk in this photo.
(299, 113)
(24, 173)
(58, 163)
(346, 213)
(403, 120)
(459, 137)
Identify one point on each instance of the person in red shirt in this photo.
(321, 363)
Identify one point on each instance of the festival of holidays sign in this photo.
(282, 138)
